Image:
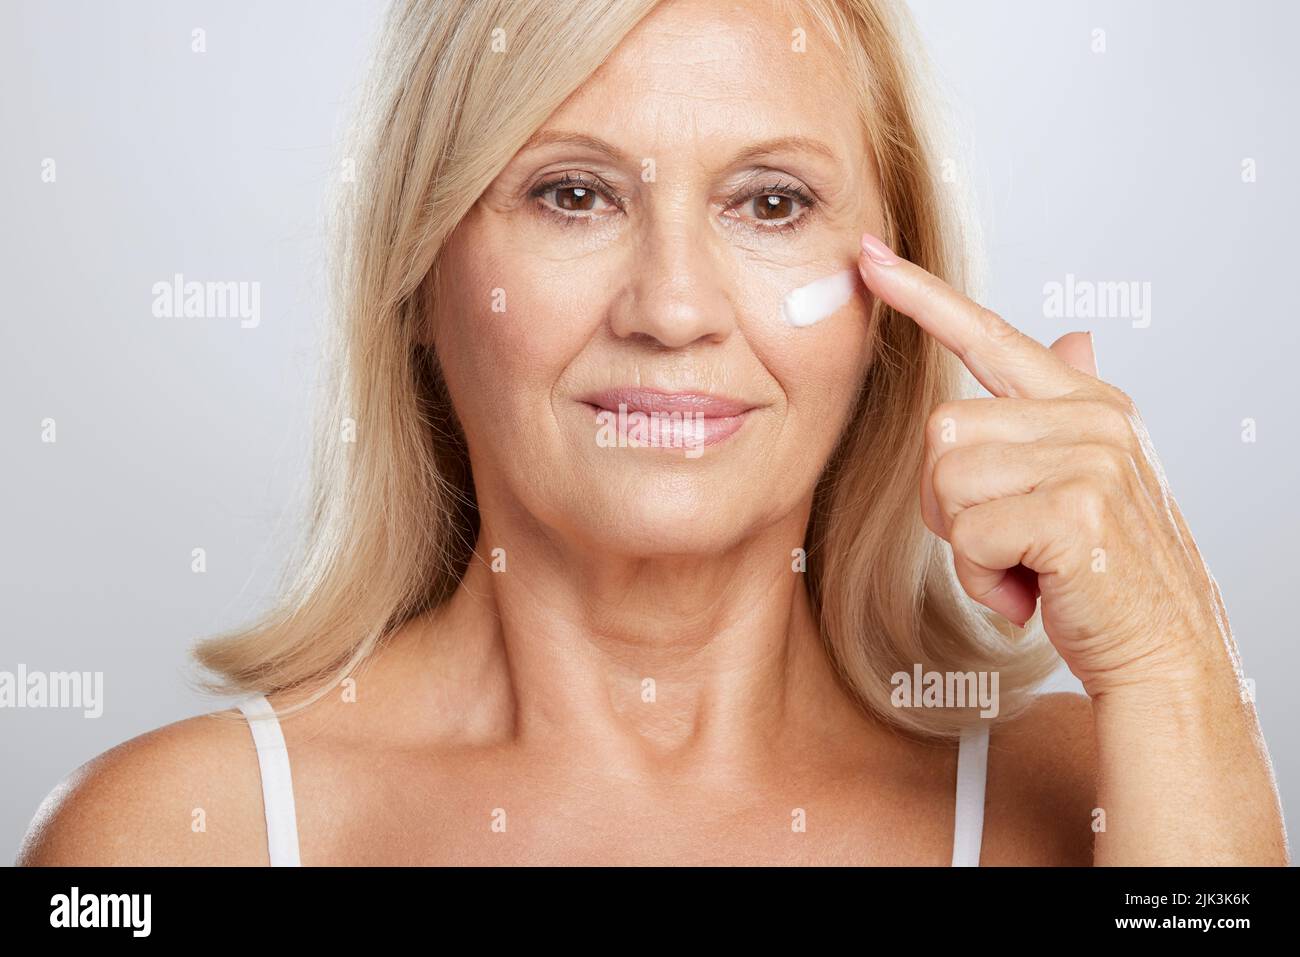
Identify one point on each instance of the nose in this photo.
(677, 294)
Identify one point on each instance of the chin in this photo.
(654, 517)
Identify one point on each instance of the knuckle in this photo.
(994, 326)
(945, 475)
(1122, 400)
(960, 530)
(1112, 464)
(1007, 337)
(1085, 501)
(1115, 418)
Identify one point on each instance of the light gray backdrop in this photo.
(1161, 150)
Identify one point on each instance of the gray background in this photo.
(183, 433)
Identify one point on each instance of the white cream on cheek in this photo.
(819, 299)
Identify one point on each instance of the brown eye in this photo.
(578, 198)
(773, 206)
(572, 194)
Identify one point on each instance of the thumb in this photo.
(1076, 349)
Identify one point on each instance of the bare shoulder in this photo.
(188, 793)
(1042, 784)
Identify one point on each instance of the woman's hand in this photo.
(1051, 488)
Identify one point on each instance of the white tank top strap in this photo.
(972, 771)
(277, 782)
(282, 822)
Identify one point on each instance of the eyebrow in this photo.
(760, 150)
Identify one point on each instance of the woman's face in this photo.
(642, 245)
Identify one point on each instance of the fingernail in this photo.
(1092, 341)
(877, 251)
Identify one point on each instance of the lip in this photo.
(717, 417)
(650, 401)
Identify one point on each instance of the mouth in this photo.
(670, 419)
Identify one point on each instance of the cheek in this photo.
(818, 367)
(822, 372)
(508, 328)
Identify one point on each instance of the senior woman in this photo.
(513, 640)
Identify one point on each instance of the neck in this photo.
(679, 658)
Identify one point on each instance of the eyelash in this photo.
(780, 188)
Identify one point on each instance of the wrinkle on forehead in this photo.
(715, 52)
(698, 82)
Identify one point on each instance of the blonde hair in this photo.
(393, 517)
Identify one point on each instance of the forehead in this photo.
(708, 74)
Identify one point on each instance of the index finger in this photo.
(1004, 360)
